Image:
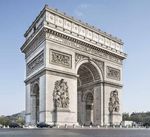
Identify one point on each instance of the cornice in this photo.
(99, 83)
(109, 83)
(35, 21)
(27, 42)
(100, 47)
(83, 24)
(45, 70)
(72, 19)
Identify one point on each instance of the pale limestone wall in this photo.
(68, 37)
(115, 66)
(97, 106)
(62, 49)
(66, 117)
(42, 91)
(108, 89)
(28, 100)
(33, 55)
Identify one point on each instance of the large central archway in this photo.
(89, 75)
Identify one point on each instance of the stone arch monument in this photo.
(73, 72)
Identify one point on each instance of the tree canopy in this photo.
(140, 118)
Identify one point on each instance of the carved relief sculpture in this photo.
(114, 102)
(35, 63)
(60, 58)
(61, 94)
(81, 46)
(79, 57)
(77, 67)
(113, 73)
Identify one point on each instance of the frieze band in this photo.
(35, 63)
(35, 43)
(81, 46)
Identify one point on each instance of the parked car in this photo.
(1, 126)
(43, 125)
(14, 125)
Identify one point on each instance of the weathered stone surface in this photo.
(77, 71)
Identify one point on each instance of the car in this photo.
(14, 125)
(43, 125)
(1, 126)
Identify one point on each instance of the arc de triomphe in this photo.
(73, 72)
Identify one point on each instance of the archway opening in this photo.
(88, 76)
(89, 109)
(35, 104)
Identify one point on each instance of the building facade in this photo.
(73, 72)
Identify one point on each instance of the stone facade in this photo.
(73, 72)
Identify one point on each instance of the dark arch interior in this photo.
(36, 89)
(89, 98)
(36, 103)
(87, 73)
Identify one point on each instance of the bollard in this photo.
(65, 125)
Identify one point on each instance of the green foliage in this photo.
(4, 121)
(126, 117)
(20, 121)
(16, 118)
(140, 118)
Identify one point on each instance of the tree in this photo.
(125, 116)
(4, 121)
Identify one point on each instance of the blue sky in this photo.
(126, 19)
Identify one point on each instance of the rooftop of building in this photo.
(70, 18)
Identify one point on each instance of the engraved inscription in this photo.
(113, 73)
(59, 58)
(35, 63)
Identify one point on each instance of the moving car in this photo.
(14, 125)
(44, 125)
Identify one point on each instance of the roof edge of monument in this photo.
(71, 18)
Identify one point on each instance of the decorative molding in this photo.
(100, 64)
(35, 44)
(113, 84)
(79, 57)
(81, 46)
(35, 63)
(114, 102)
(113, 73)
(61, 94)
(60, 58)
(82, 29)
